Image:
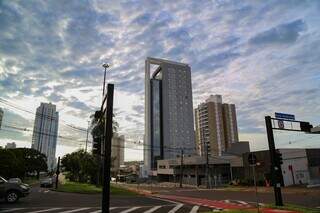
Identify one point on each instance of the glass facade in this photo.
(156, 123)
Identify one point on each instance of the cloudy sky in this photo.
(263, 56)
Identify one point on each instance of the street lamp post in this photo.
(105, 65)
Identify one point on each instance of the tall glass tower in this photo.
(168, 111)
(45, 132)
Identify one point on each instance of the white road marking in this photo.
(176, 208)
(130, 210)
(194, 209)
(98, 211)
(153, 209)
(11, 210)
(75, 210)
(242, 202)
(45, 210)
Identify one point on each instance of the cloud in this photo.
(259, 55)
(281, 34)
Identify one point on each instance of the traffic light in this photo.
(278, 157)
(96, 146)
(305, 126)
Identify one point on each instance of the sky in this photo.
(263, 56)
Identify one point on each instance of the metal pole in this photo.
(255, 185)
(181, 168)
(104, 79)
(107, 150)
(87, 136)
(57, 173)
(274, 165)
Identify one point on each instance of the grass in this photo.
(85, 188)
(294, 208)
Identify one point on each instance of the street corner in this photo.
(216, 205)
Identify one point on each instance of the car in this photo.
(14, 180)
(46, 182)
(12, 192)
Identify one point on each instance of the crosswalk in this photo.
(176, 208)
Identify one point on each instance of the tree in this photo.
(9, 164)
(21, 161)
(31, 160)
(81, 166)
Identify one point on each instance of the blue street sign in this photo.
(284, 116)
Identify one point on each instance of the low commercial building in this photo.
(221, 170)
(300, 166)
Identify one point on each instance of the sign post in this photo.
(252, 159)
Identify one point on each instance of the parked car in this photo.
(46, 182)
(14, 180)
(11, 192)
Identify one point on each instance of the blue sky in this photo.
(263, 56)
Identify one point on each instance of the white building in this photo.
(168, 111)
(45, 132)
(11, 145)
(117, 152)
(216, 126)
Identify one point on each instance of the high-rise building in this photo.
(117, 152)
(45, 132)
(1, 115)
(216, 126)
(168, 111)
(11, 145)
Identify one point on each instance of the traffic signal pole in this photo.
(275, 166)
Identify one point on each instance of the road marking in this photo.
(75, 210)
(45, 210)
(242, 202)
(153, 209)
(194, 209)
(130, 210)
(11, 210)
(176, 208)
(98, 211)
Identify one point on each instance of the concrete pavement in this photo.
(44, 200)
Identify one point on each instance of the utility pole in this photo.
(87, 136)
(207, 165)
(181, 168)
(275, 166)
(107, 114)
(57, 173)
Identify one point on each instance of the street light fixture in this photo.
(105, 65)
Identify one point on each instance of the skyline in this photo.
(259, 56)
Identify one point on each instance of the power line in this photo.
(3, 101)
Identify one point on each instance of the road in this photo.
(44, 200)
(306, 199)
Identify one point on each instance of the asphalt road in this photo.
(44, 200)
(304, 199)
